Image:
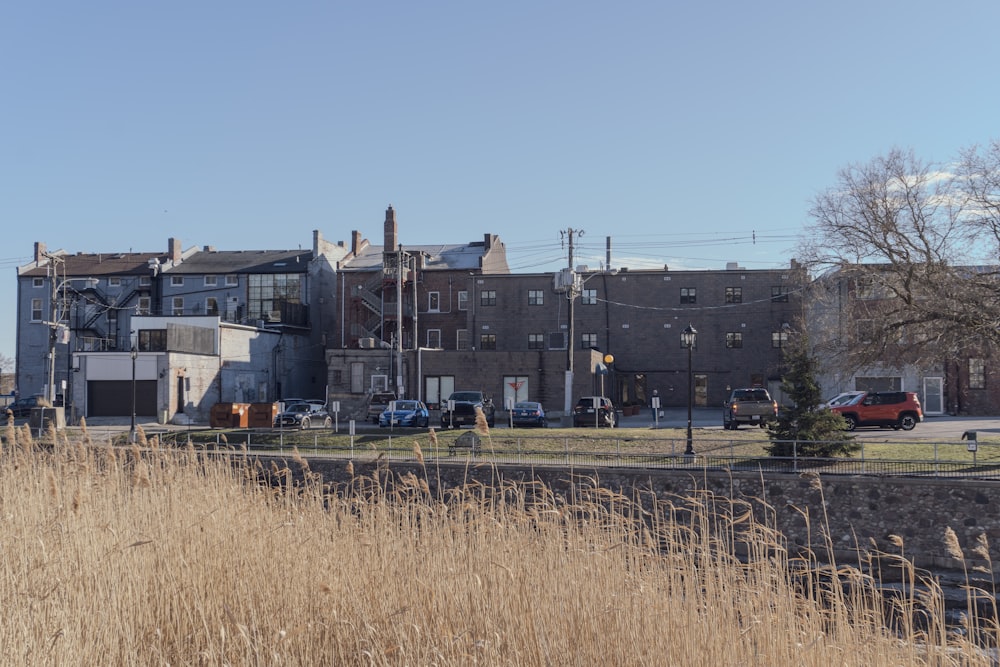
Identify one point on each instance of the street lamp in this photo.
(688, 337)
(131, 432)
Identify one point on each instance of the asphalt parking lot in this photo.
(943, 428)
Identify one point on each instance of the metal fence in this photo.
(910, 458)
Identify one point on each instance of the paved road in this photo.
(941, 428)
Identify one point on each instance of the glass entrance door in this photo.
(933, 402)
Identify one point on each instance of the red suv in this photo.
(898, 409)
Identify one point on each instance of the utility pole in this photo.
(399, 322)
(569, 235)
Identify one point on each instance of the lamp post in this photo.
(131, 432)
(688, 337)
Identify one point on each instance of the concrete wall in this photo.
(857, 514)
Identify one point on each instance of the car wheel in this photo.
(327, 423)
(305, 423)
(907, 422)
(425, 422)
(850, 422)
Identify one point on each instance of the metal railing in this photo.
(924, 459)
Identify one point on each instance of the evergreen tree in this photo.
(814, 431)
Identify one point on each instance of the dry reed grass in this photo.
(155, 556)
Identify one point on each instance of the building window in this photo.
(588, 341)
(36, 310)
(434, 302)
(487, 341)
(145, 281)
(143, 306)
(177, 307)
(734, 339)
(268, 293)
(211, 281)
(536, 341)
(779, 294)
(689, 295)
(977, 374)
(152, 340)
(536, 297)
(488, 297)
(463, 300)
(232, 281)
(176, 281)
(734, 295)
(588, 297)
(866, 330)
(211, 306)
(462, 339)
(434, 338)
(864, 287)
(38, 282)
(779, 339)
(114, 281)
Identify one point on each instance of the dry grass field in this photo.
(149, 555)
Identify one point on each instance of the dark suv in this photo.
(595, 411)
(22, 407)
(898, 409)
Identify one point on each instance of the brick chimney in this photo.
(39, 251)
(391, 230)
(174, 250)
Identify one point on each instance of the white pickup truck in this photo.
(748, 406)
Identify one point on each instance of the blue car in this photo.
(529, 413)
(406, 413)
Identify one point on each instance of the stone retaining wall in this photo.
(860, 512)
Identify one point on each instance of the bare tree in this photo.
(6, 373)
(915, 247)
(978, 179)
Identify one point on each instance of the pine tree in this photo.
(812, 431)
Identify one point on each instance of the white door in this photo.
(933, 403)
(357, 377)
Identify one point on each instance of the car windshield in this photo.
(406, 405)
(466, 396)
(524, 405)
(843, 399)
(298, 407)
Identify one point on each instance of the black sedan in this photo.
(303, 415)
(529, 413)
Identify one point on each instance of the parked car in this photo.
(595, 411)
(377, 404)
(752, 405)
(405, 413)
(303, 415)
(898, 409)
(465, 403)
(529, 413)
(22, 407)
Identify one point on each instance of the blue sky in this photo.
(692, 134)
